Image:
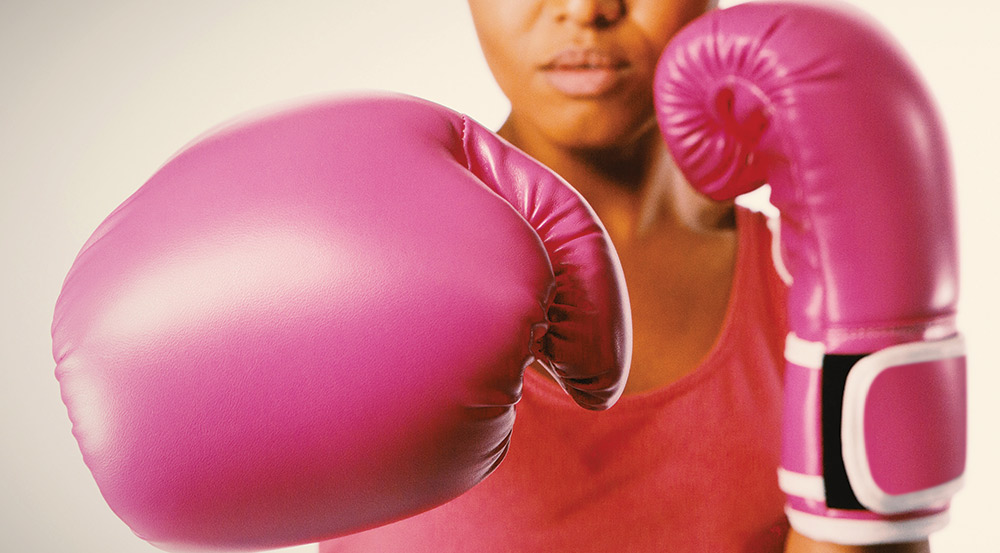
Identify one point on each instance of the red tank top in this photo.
(691, 467)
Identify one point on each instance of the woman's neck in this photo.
(677, 249)
(635, 188)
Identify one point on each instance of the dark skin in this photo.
(678, 257)
(596, 127)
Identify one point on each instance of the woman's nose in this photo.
(596, 13)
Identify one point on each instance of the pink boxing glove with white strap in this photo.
(317, 321)
(821, 105)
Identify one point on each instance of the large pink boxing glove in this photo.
(817, 102)
(317, 321)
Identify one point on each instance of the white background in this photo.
(95, 95)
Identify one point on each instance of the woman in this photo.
(687, 460)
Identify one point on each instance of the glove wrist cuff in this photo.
(863, 527)
(903, 429)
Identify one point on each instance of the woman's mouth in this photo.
(583, 73)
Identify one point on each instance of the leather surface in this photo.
(822, 105)
(317, 320)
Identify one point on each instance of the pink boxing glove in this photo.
(317, 321)
(820, 104)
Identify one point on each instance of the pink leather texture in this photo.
(315, 321)
(818, 102)
(801, 424)
(889, 414)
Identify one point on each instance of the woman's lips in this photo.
(584, 73)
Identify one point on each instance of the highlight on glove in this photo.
(316, 321)
(820, 103)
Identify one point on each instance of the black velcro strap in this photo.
(839, 494)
